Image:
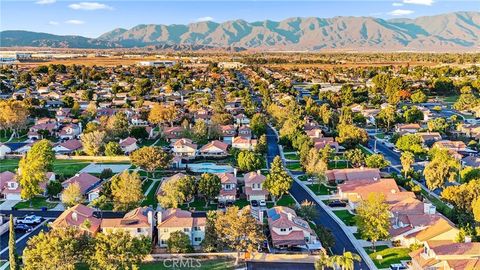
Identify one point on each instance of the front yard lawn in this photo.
(389, 255)
(151, 198)
(241, 203)
(294, 166)
(321, 189)
(37, 203)
(292, 156)
(8, 165)
(69, 167)
(286, 200)
(199, 205)
(341, 164)
(346, 217)
(146, 184)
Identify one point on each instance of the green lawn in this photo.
(205, 264)
(346, 217)
(151, 198)
(294, 166)
(292, 156)
(321, 189)
(37, 203)
(389, 255)
(241, 203)
(449, 99)
(286, 200)
(8, 165)
(341, 164)
(146, 184)
(199, 205)
(303, 177)
(65, 167)
(365, 150)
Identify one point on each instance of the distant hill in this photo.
(456, 31)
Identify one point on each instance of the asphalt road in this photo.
(21, 239)
(342, 242)
(279, 266)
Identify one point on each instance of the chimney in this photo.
(75, 216)
(259, 172)
(429, 209)
(290, 216)
(150, 217)
(159, 216)
(235, 172)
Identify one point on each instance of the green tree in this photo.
(200, 131)
(117, 126)
(179, 242)
(258, 124)
(210, 243)
(325, 236)
(419, 97)
(209, 186)
(150, 158)
(411, 143)
(443, 167)
(278, 181)
(376, 161)
(249, 161)
(72, 195)
(437, 124)
(113, 149)
(476, 209)
(407, 159)
(119, 250)
(93, 142)
(347, 260)
(307, 210)
(323, 261)
(238, 230)
(373, 218)
(54, 188)
(261, 146)
(126, 191)
(355, 157)
(387, 117)
(350, 135)
(12, 252)
(413, 115)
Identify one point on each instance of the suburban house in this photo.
(243, 143)
(456, 146)
(446, 255)
(128, 145)
(80, 217)
(171, 134)
(429, 138)
(184, 148)
(214, 148)
(228, 193)
(320, 143)
(254, 186)
(139, 221)
(228, 132)
(70, 132)
(174, 219)
(34, 132)
(10, 189)
(407, 128)
(241, 119)
(86, 182)
(68, 147)
(289, 230)
(350, 174)
(471, 161)
(245, 132)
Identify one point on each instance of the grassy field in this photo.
(211, 264)
(199, 205)
(346, 217)
(321, 189)
(151, 198)
(146, 184)
(341, 164)
(69, 167)
(286, 200)
(294, 166)
(37, 203)
(389, 255)
(292, 156)
(8, 165)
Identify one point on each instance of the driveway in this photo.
(8, 204)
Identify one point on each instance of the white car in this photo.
(262, 203)
(30, 220)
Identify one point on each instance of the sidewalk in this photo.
(8, 204)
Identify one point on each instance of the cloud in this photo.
(89, 6)
(45, 2)
(397, 4)
(401, 12)
(76, 22)
(53, 23)
(419, 2)
(203, 19)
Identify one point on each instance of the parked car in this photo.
(30, 220)
(337, 204)
(396, 150)
(229, 204)
(23, 228)
(254, 203)
(398, 266)
(221, 205)
(263, 203)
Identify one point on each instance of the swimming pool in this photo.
(210, 168)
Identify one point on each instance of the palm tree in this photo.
(323, 261)
(347, 260)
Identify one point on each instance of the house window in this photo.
(139, 230)
(162, 242)
(283, 230)
(196, 228)
(165, 230)
(290, 228)
(198, 239)
(186, 229)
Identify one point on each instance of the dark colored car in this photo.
(337, 204)
(254, 203)
(229, 204)
(221, 205)
(23, 228)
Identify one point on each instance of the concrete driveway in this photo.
(8, 204)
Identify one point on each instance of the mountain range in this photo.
(457, 31)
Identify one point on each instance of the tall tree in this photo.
(93, 142)
(126, 191)
(376, 161)
(278, 180)
(161, 114)
(407, 159)
(12, 251)
(249, 161)
(442, 168)
(347, 260)
(373, 218)
(179, 242)
(238, 230)
(150, 158)
(72, 195)
(209, 186)
(258, 124)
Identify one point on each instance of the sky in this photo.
(93, 18)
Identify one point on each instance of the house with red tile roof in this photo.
(407, 128)
(228, 132)
(243, 143)
(174, 177)
(446, 255)
(70, 132)
(80, 217)
(352, 174)
(228, 192)
(214, 148)
(128, 145)
(254, 186)
(171, 134)
(184, 148)
(86, 181)
(174, 219)
(138, 222)
(10, 188)
(289, 230)
(68, 147)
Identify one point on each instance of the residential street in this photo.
(342, 242)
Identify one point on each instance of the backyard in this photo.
(151, 198)
(389, 255)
